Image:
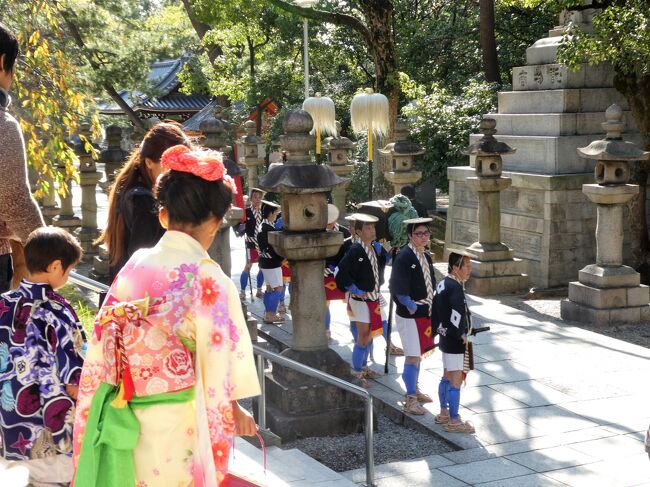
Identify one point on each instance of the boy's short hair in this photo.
(47, 244)
(9, 47)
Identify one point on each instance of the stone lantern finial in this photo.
(400, 155)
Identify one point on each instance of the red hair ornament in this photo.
(206, 164)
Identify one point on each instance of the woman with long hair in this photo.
(170, 353)
(132, 214)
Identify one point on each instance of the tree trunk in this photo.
(637, 92)
(380, 19)
(488, 42)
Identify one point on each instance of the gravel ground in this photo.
(393, 442)
(549, 309)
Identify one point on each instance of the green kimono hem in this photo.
(106, 457)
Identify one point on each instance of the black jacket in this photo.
(269, 259)
(355, 268)
(407, 279)
(452, 315)
(347, 242)
(142, 227)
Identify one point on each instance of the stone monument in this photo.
(399, 156)
(250, 158)
(337, 157)
(546, 219)
(494, 268)
(49, 209)
(609, 292)
(215, 130)
(113, 156)
(66, 217)
(298, 405)
(88, 179)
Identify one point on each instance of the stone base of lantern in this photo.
(101, 268)
(606, 296)
(66, 221)
(50, 213)
(87, 237)
(299, 406)
(400, 179)
(495, 270)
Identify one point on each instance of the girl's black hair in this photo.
(455, 260)
(410, 227)
(267, 210)
(190, 199)
(9, 47)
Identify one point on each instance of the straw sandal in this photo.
(395, 351)
(442, 418)
(359, 378)
(273, 318)
(368, 373)
(459, 427)
(282, 309)
(259, 293)
(412, 406)
(422, 396)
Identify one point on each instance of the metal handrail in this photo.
(262, 353)
(318, 374)
(88, 283)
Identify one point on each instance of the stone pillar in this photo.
(337, 157)
(66, 217)
(113, 156)
(494, 269)
(399, 155)
(250, 158)
(88, 179)
(215, 131)
(49, 208)
(609, 292)
(298, 405)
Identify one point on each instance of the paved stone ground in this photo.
(553, 404)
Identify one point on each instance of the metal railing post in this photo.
(261, 402)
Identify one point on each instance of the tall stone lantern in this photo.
(495, 270)
(250, 158)
(609, 292)
(49, 209)
(113, 156)
(399, 155)
(337, 157)
(216, 131)
(299, 405)
(88, 179)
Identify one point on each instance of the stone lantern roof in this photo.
(299, 174)
(613, 147)
(488, 145)
(338, 141)
(402, 146)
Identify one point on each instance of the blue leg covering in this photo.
(243, 280)
(274, 300)
(328, 318)
(410, 378)
(283, 292)
(353, 330)
(454, 401)
(443, 393)
(384, 326)
(358, 354)
(260, 279)
(265, 299)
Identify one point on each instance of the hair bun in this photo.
(206, 164)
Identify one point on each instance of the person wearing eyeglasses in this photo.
(412, 284)
(453, 318)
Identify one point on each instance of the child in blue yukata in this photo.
(41, 343)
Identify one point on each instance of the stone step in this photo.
(284, 467)
(554, 124)
(559, 76)
(560, 101)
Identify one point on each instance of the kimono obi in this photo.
(142, 353)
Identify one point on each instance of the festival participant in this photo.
(333, 293)
(252, 228)
(170, 353)
(286, 272)
(270, 263)
(361, 274)
(453, 317)
(41, 347)
(412, 284)
(132, 212)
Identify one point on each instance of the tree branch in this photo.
(201, 29)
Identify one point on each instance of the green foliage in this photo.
(442, 122)
(357, 191)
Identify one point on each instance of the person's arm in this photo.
(18, 209)
(345, 272)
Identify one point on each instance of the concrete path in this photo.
(552, 404)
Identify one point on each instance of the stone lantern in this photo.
(215, 130)
(494, 268)
(88, 179)
(337, 157)
(250, 158)
(299, 405)
(49, 209)
(609, 292)
(113, 156)
(399, 155)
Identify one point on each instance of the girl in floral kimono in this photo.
(170, 354)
